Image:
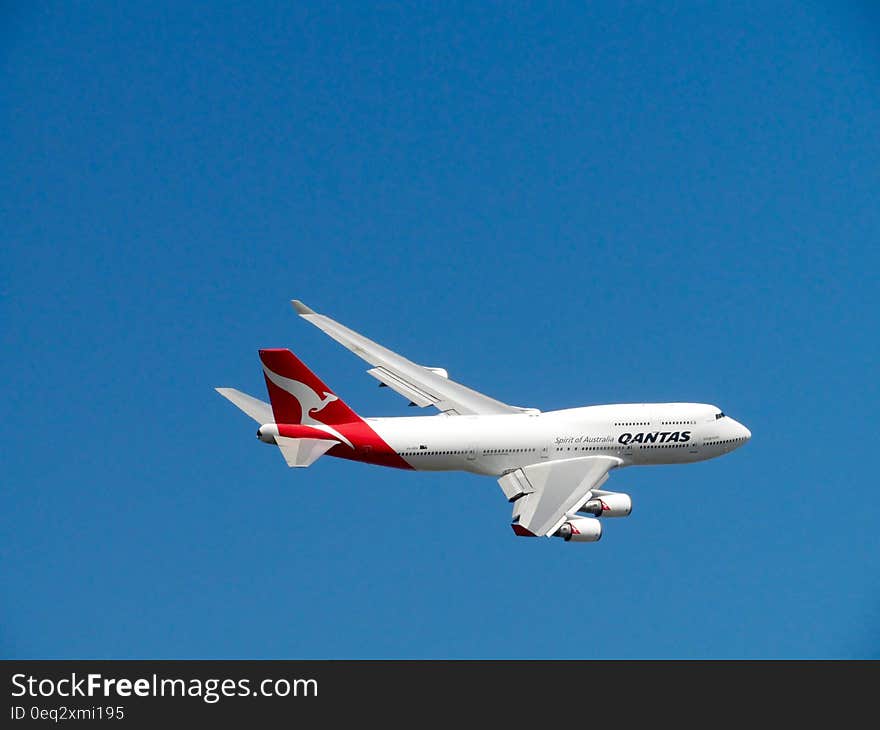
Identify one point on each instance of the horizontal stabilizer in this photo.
(303, 452)
(258, 410)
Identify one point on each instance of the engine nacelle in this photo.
(610, 504)
(267, 433)
(580, 529)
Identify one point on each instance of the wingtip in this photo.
(301, 308)
(521, 531)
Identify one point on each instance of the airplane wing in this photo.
(545, 495)
(422, 385)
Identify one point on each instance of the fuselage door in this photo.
(696, 440)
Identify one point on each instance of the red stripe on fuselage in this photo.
(301, 431)
(369, 447)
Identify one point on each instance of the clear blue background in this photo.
(562, 205)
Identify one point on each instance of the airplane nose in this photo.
(739, 433)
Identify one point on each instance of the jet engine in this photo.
(609, 504)
(580, 529)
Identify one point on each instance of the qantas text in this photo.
(660, 437)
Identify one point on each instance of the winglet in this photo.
(301, 308)
(522, 531)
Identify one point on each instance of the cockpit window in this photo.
(718, 415)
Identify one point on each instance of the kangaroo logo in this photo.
(309, 402)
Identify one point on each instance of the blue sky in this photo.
(563, 205)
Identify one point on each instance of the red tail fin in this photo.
(298, 395)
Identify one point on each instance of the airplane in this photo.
(551, 466)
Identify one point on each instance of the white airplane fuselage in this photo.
(636, 434)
